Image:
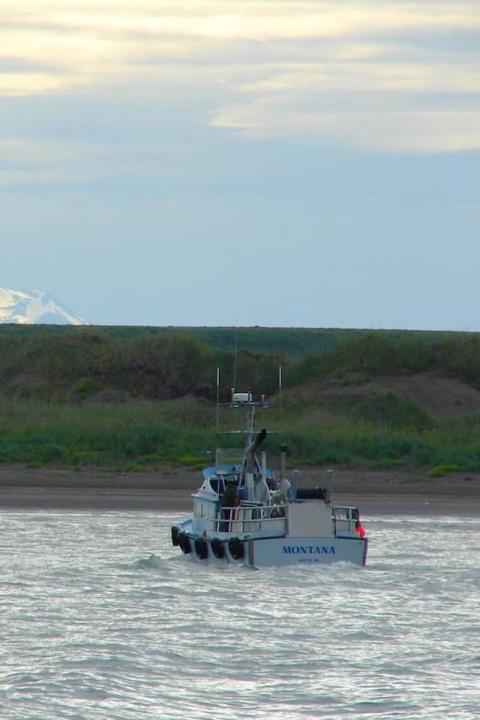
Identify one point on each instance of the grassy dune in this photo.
(130, 399)
(143, 435)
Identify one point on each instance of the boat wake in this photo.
(154, 562)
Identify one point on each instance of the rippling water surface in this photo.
(102, 619)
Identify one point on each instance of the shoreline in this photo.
(170, 490)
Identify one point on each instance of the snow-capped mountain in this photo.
(34, 307)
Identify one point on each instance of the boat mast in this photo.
(235, 351)
(218, 400)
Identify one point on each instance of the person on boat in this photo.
(262, 493)
(284, 487)
(229, 501)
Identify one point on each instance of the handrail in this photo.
(246, 505)
(344, 518)
(249, 518)
(344, 507)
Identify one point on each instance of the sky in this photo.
(225, 162)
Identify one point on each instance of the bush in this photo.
(441, 470)
(146, 459)
(83, 457)
(191, 461)
(86, 388)
(35, 464)
(47, 452)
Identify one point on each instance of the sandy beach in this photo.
(171, 489)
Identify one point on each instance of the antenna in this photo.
(280, 385)
(218, 399)
(235, 360)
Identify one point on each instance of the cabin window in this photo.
(214, 483)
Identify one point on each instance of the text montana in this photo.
(308, 550)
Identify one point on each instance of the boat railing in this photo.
(252, 518)
(344, 518)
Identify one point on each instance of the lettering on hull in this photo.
(308, 550)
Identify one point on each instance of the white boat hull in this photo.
(282, 551)
(307, 551)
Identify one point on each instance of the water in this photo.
(100, 618)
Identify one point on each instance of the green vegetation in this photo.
(61, 365)
(133, 398)
(138, 436)
(376, 354)
(442, 470)
(385, 410)
(131, 436)
(287, 342)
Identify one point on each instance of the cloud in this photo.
(384, 108)
(367, 130)
(366, 75)
(235, 19)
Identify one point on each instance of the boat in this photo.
(244, 514)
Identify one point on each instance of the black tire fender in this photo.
(237, 549)
(184, 542)
(201, 548)
(218, 548)
(175, 533)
